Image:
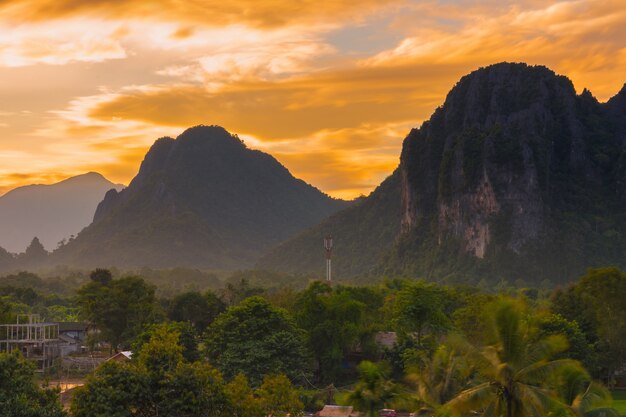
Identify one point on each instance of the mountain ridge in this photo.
(203, 199)
(51, 212)
(513, 177)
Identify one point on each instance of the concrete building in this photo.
(37, 340)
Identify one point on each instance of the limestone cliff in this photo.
(514, 171)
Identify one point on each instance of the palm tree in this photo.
(514, 370)
(373, 391)
(581, 396)
(439, 379)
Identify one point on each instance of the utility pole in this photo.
(328, 246)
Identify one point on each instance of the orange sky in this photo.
(329, 87)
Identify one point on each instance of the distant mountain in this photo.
(201, 200)
(50, 212)
(515, 177)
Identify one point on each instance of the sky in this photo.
(328, 87)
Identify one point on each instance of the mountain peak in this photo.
(618, 101)
(202, 199)
(498, 92)
(52, 211)
(213, 136)
(88, 177)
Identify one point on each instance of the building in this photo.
(337, 411)
(72, 337)
(124, 356)
(36, 340)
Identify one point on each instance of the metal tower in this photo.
(328, 246)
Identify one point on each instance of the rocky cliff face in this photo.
(514, 177)
(512, 163)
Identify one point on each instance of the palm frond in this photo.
(473, 399)
(539, 372)
(602, 412)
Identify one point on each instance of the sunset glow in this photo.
(330, 88)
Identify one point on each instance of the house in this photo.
(337, 411)
(124, 356)
(386, 340)
(72, 337)
(75, 330)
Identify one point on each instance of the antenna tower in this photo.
(328, 247)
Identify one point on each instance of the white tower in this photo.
(328, 246)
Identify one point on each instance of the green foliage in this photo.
(513, 369)
(238, 289)
(332, 320)
(277, 397)
(20, 396)
(101, 276)
(186, 338)
(578, 347)
(160, 382)
(257, 339)
(242, 398)
(472, 141)
(439, 378)
(114, 390)
(596, 304)
(119, 310)
(419, 310)
(374, 390)
(581, 396)
(197, 309)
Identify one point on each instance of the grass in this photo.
(619, 401)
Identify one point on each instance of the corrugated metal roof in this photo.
(336, 411)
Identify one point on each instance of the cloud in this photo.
(50, 43)
(281, 74)
(290, 108)
(584, 39)
(253, 13)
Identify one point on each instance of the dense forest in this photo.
(242, 347)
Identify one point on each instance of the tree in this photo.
(7, 259)
(198, 309)
(257, 339)
(115, 389)
(238, 290)
(419, 309)
(332, 321)
(157, 382)
(242, 398)
(596, 304)
(514, 369)
(118, 310)
(20, 396)
(578, 347)
(187, 338)
(582, 396)
(440, 378)
(102, 276)
(277, 397)
(373, 391)
(6, 315)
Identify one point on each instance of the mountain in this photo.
(361, 233)
(514, 177)
(50, 212)
(201, 200)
